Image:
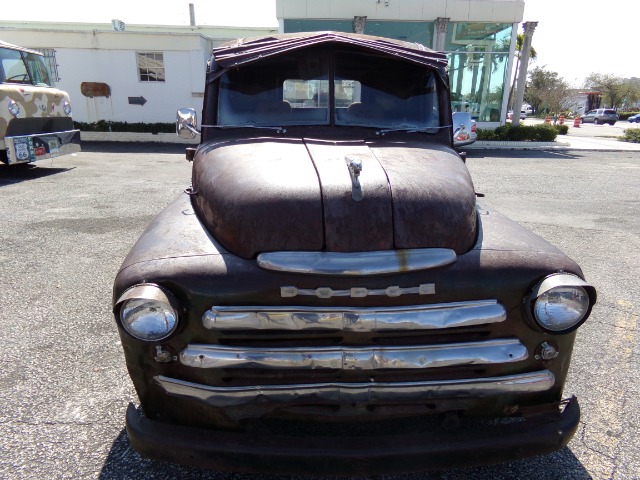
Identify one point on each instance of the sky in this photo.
(578, 37)
(573, 37)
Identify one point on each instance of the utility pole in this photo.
(529, 28)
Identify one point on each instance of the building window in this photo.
(478, 58)
(417, 32)
(420, 32)
(50, 62)
(150, 66)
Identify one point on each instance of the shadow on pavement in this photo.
(546, 154)
(12, 174)
(135, 147)
(124, 462)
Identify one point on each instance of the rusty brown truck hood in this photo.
(258, 195)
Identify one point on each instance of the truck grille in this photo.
(413, 318)
(34, 125)
(304, 356)
(336, 393)
(360, 358)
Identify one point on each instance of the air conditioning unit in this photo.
(118, 25)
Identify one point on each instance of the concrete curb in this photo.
(135, 137)
(504, 145)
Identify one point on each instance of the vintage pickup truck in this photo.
(35, 117)
(328, 296)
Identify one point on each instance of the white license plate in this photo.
(22, 151)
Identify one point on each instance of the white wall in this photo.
(503, 11)
(96, 53)
(183, 85)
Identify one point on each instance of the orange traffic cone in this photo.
(547, 119)
(561, 119)
(576, 121)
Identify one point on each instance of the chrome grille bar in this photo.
(418, 317)
(490, 352)
(338, 393)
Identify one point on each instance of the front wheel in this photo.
(595, 121)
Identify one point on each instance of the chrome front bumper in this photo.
(40, 146)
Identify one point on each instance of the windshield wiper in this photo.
(410, 130)
(246, 125)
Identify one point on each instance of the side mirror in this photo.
(187, 123)
(460, 134)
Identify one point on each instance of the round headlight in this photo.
(14, 108)
(67, 108)
(560, 303)
(148, 312)
(561, 308)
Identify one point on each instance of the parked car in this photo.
(523, 115)
(328, 295)
(464, 129)
(600, 116)
(634, 118)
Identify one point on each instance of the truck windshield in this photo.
(364, 90)
(23, 68)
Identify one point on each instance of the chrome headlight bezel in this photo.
(66, 107)
(14, 108)
(148, 312)
(567, 294)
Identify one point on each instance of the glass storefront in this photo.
(478, 55)
(478, 59)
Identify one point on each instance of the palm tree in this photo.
(532, 56)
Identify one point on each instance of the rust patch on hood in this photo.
(260, 195)
(434, 202)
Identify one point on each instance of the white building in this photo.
(141, 74)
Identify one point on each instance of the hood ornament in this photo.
(355, 167)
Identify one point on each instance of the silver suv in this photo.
(601, 116)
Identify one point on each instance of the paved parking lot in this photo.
(589, 129)
(66, 225)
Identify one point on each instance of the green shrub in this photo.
(105, 126)
(626, 115)
(562, 129)
(631, 135)
(485, 134)
(522, 133)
